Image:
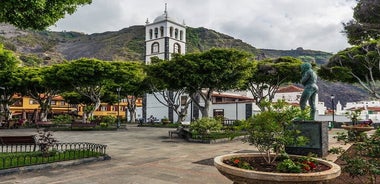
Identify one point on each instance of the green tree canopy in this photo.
(358, 64)
(201, 74)
(166, 89)
(130, 78)
(87, 77)
(41, 85)
(268, 75)
(9, 80)
(37, 14)
(366, 23)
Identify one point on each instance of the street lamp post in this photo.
(118, 106)
(2, 107)
(236, 108)
(333, 111)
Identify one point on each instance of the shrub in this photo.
(45, 141)
(364, 161)
(103, 125)
(109, 120)
(270, 131)
(241, 125)
(204, 126)
(62, 119)
(288, 166)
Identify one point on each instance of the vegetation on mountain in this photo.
(312, 56)
(127, 44)
(202, 39)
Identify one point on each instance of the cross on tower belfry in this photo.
(166, 10)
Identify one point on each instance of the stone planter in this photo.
(243, 176)
(358, 128)
(357, 131)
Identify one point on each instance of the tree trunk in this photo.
(43, 116)
(132, 108)
(84, 117)
(132, 114)
(44, 104)
(205, 111)
(7, 112)
(182, 114)
(90, 113)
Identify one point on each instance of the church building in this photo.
(163, 37)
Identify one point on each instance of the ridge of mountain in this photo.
(128, 44)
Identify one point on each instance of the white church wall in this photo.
(230, 110)
(337, 118)
(155, 108)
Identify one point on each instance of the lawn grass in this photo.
(20, 159)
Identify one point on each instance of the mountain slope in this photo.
(128, 44)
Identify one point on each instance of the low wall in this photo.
(317, 133)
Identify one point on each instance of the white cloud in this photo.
(272, 24)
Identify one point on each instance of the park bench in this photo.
(176, 131)
(19, 140)
(27, 139)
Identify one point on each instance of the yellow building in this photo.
(27, 108)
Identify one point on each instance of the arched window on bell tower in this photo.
(171, 31)
(162, 31)
(155, 48)
(181, 35)
(176, 48)
(155, 32)
(150, 33)
(176, 33)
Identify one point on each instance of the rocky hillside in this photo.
(46, 47)
(306, 55)
(126, 44)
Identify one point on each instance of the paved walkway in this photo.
(139, 155)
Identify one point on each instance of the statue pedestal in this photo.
(317, 134)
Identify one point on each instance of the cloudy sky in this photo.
(272, 24)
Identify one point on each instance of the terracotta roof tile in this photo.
(289, 89)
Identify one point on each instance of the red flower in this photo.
(306, 167)
(312, 165)
(236, 161)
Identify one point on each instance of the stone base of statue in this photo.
(317, 134)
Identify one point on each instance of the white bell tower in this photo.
(164, 37)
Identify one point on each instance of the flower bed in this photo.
(12, 156)
(326, 171)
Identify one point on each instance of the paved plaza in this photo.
(139, 155)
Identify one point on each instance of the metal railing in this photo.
(12, 156)
(228, 122)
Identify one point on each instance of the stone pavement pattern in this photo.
(140, 155)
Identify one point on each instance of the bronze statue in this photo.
(309, 81)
